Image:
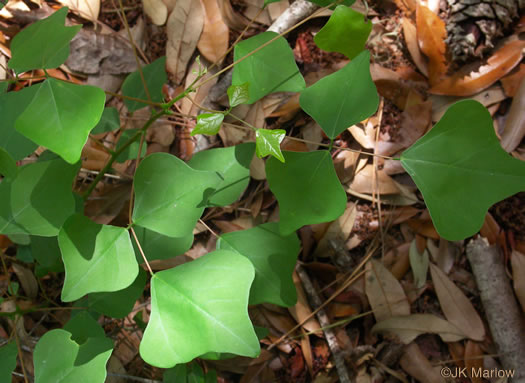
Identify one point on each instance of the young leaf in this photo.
(268, 70)
(96, 257)
(200, 307)
(268, 142)
(157, 246)
(307, 189)
(74, 363)
(352, 94)
(109, 121)
(461, 170)
(132, 151)
(12, 105)
(169, 195)
(118, 304)
(44, 44)
(238, 94)
(233, 165)
(8, 354)
(155, 77)
(7, 165)
(38, 200)
(208, 123)
(345, 32)
(419, 265)
(61, 115)
(273, 256)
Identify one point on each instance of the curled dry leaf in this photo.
(213, 43)
(518, 276)
(456, 306)
(337, 233)
(156, 10)
(512, 81)
(367, 182)
(301, 310)
(498, 65)
(27, 280)
(184, 28)
(410, 34)
(416, 364)
(384, 292)
(431, 34)
(407, 328)
(515, 124)
(88, 9)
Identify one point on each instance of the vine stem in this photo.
(141, 251)
(208, 228)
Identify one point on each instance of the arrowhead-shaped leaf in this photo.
(200, 307)
(169, 195)
(273, 256)
(233, 166)
(44, 44)
(7, 165)
(158, 246)
(83, 326)
(8, 354)
(96, 257)
(268, 142)
(74, 362)
(61, 115)
(269, 70)
(461, 170)
(208, 123)
(238, 94)
(39, 199)
(352, 94)
(109, 121)
(46, 252)
(345, 32)
(307, 189)
(155, 77)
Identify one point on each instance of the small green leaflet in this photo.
(233, 166)
(44, 44)
(199, 307)
(8, 167)
(73, 362)
(8, 354)
(352, 94)
(169, 195)
(461, 170)
(132, 151)
(268, 142)
(61, 115)
(109, 121)
(307, 189)
(158, 246)
(238, 94)
(273, 256)
(96, 257)
(345, 32)
(269, 70)
(39, 199)
(155, 77)
(208, 123)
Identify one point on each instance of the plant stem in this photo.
(141, 251)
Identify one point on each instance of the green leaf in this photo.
(132, 151)
(155, 77)
(199, 307)
(268, 142)
(238, 94)
(39, 199)
(266, 2)
(352, 94)
(23, 253)
(273, 256)
(307, 189)
(12, 105)
(177, 374)
(96, 257)
(46, 252)
(3, 84)
(118, 304)
(269, 70)
(109, 121)
(461, 170)
(82, 326)
(233, 166)
(61, 115)
(419, 264)
(345, 32)
(7, 165)
(325, 3)
(8, 354)
(44, 44)
(59, 359)
(158, 246)
(169, 195)
(208, 123)
(13, 288)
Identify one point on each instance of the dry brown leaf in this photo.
(410, 34)
(518, 276)
(416, 364)
(345, 164)
(512, 81)
(515, 123)
(384, 292)
(498, 65)
(213, 43)
(184, 28)
(456, 306)
(366, 137)
(27, 280)
(257, 169)
(367, 182)
(301, 310)
(490, 229)
(409, 327)
(312, 132)
(337, 233)
(88, 9)
(431, 35)
(276, 9)
(474, 360)
(156, 10)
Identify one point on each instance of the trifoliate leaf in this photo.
(268, 142)
(208, 123)
(155, 77)
(238, 94)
